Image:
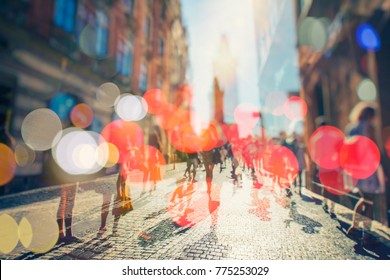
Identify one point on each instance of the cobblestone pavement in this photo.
(182, 221)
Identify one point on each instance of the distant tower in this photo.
(225, 71)
(218, 103)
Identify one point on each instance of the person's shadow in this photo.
(163, 230)
(310, 226)
(197, 249)
(311, 199)
(377, 250)
(91, 249)
(87, 250)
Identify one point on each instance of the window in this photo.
(84, 17)
(101, 33)
(147, 27)
(124, 58)
(92, 31)
(143, 79)
(128, 5)
(86, 40)
(64, 14)
(161, 47)
(163, 11)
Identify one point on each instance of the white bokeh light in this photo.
(39, 129)
(366, 90)
(81, 152)
(131, 107)
(107, 94)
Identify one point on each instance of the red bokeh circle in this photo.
(246, 116)
(359, 157)
(324, 146)
(156, 100)
(295, 108)
(126, 136)
(81, 115)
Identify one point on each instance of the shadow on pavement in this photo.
(377, 250)
(85, 251)
(156, 214)
(385, 233)
(165, 229)
(29, 197)
(33, 256)
(309, 225)
(347, 216)
(311, 199)
(207, 247)
(47, 193)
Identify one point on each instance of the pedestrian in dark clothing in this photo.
(364, 208)
(210, 158)
(193, 160)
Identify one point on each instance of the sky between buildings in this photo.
(206, 21)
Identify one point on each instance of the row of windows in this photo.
(66, 17)
(124, 58)
(75, 18)
(64, 14)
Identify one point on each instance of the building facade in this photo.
(72, 47)
(312, 49)
(331, 75)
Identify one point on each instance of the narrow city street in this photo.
(251, 133)
(180, 220)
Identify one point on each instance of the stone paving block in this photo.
(87, 255)
(66, 257)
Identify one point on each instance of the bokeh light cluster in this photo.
(293, 108)
(81, 152)
(178, 124)
(70, 130)
(342, 161)
(37, 231)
